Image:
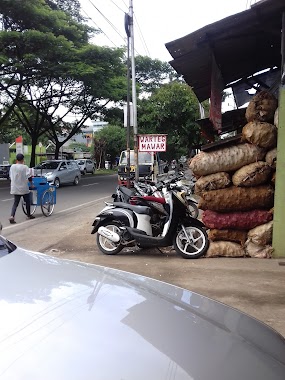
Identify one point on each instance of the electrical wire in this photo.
(118, 6)
(142, 37)
(138, 27)
(109, 22)
(97, 26)
(114, 27)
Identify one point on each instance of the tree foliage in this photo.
(151, 74)
(172, 109)
(48, 66)
(108, 143)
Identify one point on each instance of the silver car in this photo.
(59, 172)
(63, 319)
(86, 165)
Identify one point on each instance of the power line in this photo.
(113, 26)
(109, 22)
(142, 37)
(97, 26)
(117, 6)
(140, 32)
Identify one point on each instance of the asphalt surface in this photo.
(254, 286)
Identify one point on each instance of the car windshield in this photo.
(51, 165)
(80, 162)
(144, 157)
(6, 247)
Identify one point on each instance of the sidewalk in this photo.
(255, 286)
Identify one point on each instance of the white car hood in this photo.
(68, 320)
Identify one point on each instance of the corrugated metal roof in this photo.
(243, 44)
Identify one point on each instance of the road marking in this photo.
(90, 184)
(5, 200)
(60, 212)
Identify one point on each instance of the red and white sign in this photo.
(152, 143)
(19, 145)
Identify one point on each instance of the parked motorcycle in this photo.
(124, 194)
(121, 225)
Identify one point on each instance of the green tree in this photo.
(109, 142)
(11, 128)
(71, 7)
(172, 109)
(81, 147)
(151, 74)
(47, 64)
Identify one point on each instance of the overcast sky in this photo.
(156, 22)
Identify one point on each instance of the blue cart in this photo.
(42, 194)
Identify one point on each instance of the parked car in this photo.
(64, 319)
(86, 165)
(59, 172)
(4, 171)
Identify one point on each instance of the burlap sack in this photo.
(225, 159)
(258, 251)
(253, 174)
(225, 249)
(235, 236)
(261, 107)
(261, 235)
(236, 220)
(270, 157)
(260, 133)
(212, 182)
(237, 199)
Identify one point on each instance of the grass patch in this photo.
(106, 171)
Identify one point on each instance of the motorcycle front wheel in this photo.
(192, 246)
(107, 246)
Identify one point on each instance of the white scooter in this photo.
(121, 224)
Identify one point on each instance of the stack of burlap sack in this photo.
(236, 186)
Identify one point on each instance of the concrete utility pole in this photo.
(128, 167)
(134, 94)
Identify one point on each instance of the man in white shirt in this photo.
(19, 175)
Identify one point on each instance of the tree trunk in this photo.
(100, 161)
(33, 152)
(57, 152)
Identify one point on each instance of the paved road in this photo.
(89, 189)
(255, 286)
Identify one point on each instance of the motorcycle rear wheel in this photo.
(197, 246)
(107, 246)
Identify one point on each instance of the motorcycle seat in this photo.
(138, 209)
(151, 198)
